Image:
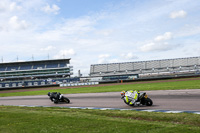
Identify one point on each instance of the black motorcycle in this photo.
(56, 97)
(142, 99)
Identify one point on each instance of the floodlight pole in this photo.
(32, 58)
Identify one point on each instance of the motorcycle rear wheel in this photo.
(125, 102)
(55, 101)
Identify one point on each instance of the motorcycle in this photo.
(57, 97)
(143, 99)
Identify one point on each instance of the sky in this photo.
(98, 31)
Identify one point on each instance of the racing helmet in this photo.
(123, 93)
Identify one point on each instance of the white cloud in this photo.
(70, 27)
(188, 30)
(178, 14)
(106, 32)
(104, 56)
(106, 60)
(65, 54)
(129, 56)
(13, 7)
(2, 7)
(166, 36)
(51, 9)
(79, 26)
(17, 24)
(151, 47)
(102, 61)
(113, 61)
(159, 43)
(8, 6)
(48, 48)
(148, 47)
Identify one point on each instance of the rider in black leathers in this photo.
(55, 95)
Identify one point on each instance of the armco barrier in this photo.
(78, 84)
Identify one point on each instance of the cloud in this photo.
(155, 47)
(188, 30)
(8, 6)
(159, 43)
(65, 54)
(129, 56)
(178, 14)
(113, 61)
(2, 6)
(48, 48)
(106, 32)
(51, 9)
(69, 29)
(102, 61)
(17, 24)
(13, 7)
(166, 36)
(104, 56)
(147, 47)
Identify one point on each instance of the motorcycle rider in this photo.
(55, 95)
(130, 97)
(60, 95)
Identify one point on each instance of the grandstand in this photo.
(35, 73)
(141, 69)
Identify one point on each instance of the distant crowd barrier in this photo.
(78, 84)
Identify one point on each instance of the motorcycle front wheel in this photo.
(149, 102)
(66, 100)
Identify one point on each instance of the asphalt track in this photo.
(184, 100)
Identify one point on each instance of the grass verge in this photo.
(173, 85)
(39, 119)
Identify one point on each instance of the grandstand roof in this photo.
(37, 61)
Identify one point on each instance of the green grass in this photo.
(173, 85)
(43, 120)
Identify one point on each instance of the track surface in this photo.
(186, 100)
